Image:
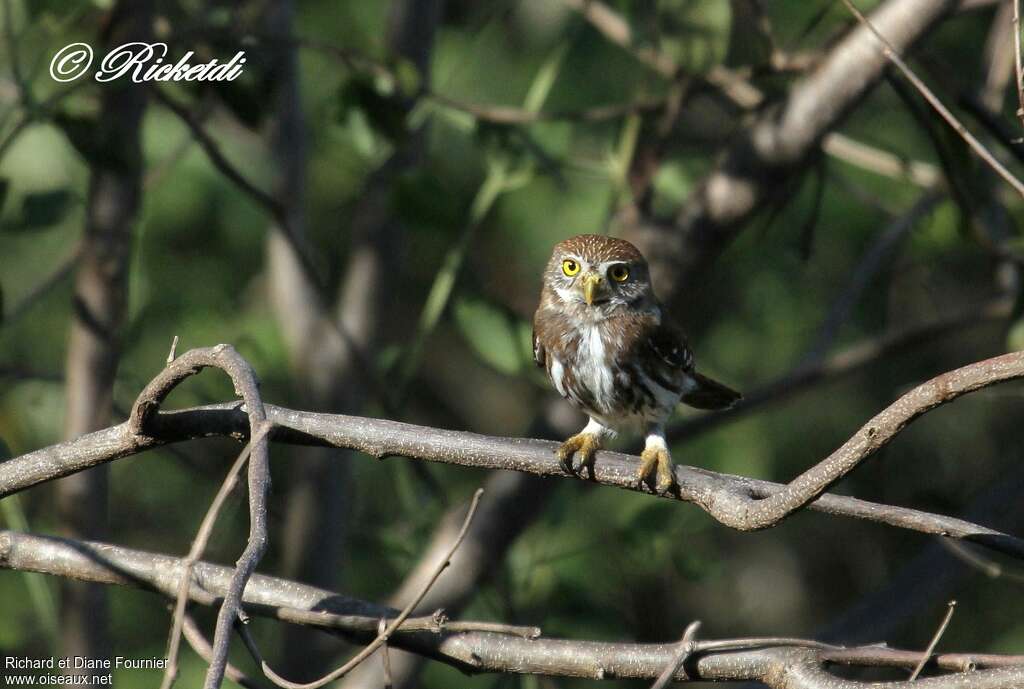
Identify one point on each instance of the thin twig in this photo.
(225, 167)
(686, 648)
(880, 252)
(194, 637)
(199, 546)
(246, 386)
(385, 657)
(986, 565)
(174, 349)
(880, 161)
(42, 288)
(845, 362)
(383, 636)
(1017, 60)
(935, 641)
(950, 118)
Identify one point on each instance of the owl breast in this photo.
(601, 375)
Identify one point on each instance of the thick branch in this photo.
(779, 663)
(738, 502)
(766, 157)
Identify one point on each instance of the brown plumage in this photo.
(607, 347)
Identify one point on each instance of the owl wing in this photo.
(669, 344)
(540, 353)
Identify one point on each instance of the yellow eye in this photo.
(570, 267)
(619, 273)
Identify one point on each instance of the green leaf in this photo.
(407, 77)
(694, 33)
(5, 185)
(44, 208)
(490, 333)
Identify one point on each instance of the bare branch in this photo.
(686, 648)
(199, 546)
(203, 649)
(738, 502)
(384, 634)
(779, 663)
(148, 403)
(765, 157)
(978, 147)
(747, 514)
(1017, 60)
(935, 641)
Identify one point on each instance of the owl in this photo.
(608, 347)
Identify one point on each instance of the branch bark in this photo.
(738, 502)
(766, 157)
(148, 404)
(778, 663)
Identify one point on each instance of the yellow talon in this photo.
(585, 445)
(657, 458)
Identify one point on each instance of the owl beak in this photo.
(591, 283)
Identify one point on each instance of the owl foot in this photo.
(585, 445)
(657, 458)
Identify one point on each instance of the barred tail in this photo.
(710, 394)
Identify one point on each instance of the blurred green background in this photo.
(479, 207)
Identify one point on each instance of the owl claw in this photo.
(585, 445)
(657, 459)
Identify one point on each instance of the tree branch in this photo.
(780, 663)
(738, 502)
(148, 403)
(892, 54)
(766, 156)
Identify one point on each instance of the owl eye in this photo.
(570, 267)
(619, 273)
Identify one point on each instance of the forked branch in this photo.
(739, 502)
(780, 663)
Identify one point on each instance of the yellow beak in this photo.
(591, 281)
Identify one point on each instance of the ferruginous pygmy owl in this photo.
(608, 347)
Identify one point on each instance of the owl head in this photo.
(596, 275)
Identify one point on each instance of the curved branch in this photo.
(779, 663)
(746, 514)
(738, 502)
(242, 376)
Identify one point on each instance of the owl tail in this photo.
(710, 394)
